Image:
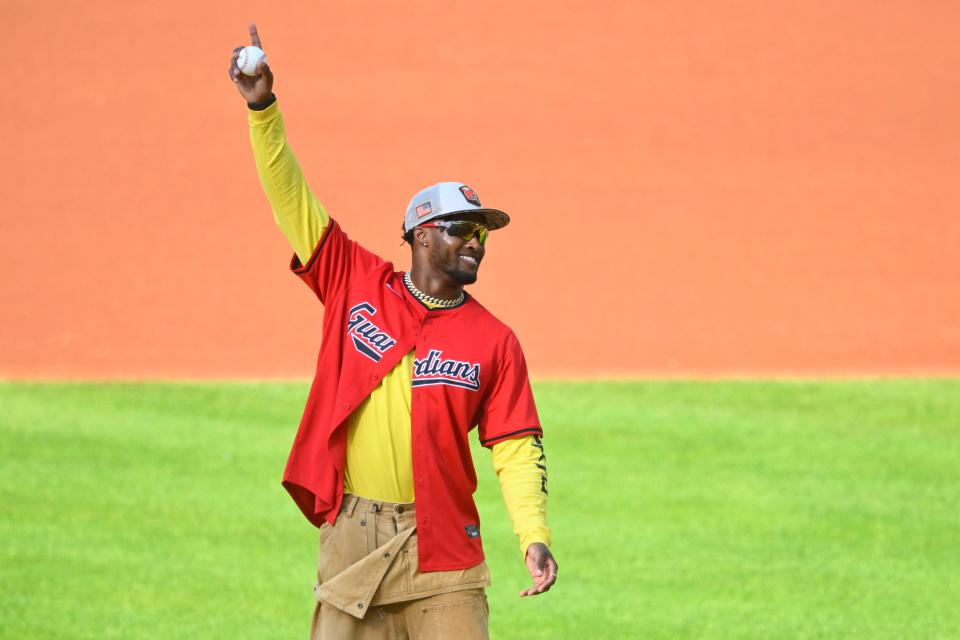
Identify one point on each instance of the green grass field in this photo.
(680, 510)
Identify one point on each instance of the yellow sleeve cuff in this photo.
(536, 534)
(261, 116)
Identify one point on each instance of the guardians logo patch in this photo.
(367, 337)
(470, 195)
(434, 369)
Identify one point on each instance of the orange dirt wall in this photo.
(697, 188)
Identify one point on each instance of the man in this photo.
(409, 364)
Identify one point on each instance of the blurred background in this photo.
(696, 188)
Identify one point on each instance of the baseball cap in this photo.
(445, 198)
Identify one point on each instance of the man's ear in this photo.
(420, 235)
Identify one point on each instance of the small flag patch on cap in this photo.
(424, 210)
(473, 531)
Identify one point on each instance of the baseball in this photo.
(249, 58)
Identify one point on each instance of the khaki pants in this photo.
(368, 585)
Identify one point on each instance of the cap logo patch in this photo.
(424, 210)
(470, 196)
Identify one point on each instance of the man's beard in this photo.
(462, 277)
(451, 269)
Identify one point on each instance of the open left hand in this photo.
(542, 568)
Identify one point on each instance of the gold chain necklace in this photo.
(430, 300)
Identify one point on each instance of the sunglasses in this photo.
(463, 229)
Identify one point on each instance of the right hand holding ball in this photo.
(249, 71)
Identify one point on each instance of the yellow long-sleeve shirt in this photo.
(379, 457)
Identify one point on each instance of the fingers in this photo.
(264, 69)
(552, 567)
(234, 69)
(254, 36)
(550, 574)
(542, 584)
(543, 570)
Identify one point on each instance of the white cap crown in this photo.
(446, 198)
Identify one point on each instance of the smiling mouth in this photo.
(472, 260)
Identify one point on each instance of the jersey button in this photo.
(346, 405)
(374, 376)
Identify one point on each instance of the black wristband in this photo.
(260, 106)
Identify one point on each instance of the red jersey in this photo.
(468, 371)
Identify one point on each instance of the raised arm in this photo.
(297, 211)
